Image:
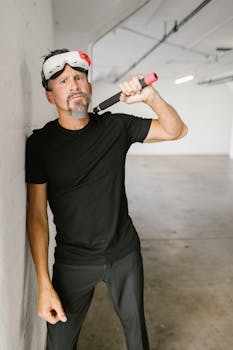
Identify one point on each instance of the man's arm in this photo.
(169, 125)
(49, 305)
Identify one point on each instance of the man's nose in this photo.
(75, 86)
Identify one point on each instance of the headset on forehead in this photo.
(56, 63)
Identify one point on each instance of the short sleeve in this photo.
(34, 165)
(137, 127)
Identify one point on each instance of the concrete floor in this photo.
(182, 208)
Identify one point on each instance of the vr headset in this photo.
(56, 64)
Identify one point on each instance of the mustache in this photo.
(80, 93)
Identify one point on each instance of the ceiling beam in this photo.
(175, 28)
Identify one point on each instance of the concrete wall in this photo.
(66, 39)
(26, 33)
(230, 85)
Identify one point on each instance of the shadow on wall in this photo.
(26, 91)
(32, 328)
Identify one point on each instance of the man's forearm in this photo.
(168, 117)
(38, 236)
(49, 303)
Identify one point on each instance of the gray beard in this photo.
(78, 113)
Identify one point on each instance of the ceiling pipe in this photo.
(203, 54)
(176, 27)
(216, 81)
(93, 43)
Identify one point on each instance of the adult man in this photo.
(77, 163)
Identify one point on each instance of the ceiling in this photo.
(192, 49)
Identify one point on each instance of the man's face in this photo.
(71, 92)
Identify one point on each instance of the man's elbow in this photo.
(182, 133)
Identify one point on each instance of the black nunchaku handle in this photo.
(147, 80)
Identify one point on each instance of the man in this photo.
(77, 163)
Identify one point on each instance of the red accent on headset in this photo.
(84, 56)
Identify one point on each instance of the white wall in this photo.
(66, 39)
(26, 33)
(230, 85)
(207, 111)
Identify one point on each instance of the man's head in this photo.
(64, 77)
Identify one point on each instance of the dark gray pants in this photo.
(75, 287)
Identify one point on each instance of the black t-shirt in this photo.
(85, 175)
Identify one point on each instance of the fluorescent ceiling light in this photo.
(184, 79)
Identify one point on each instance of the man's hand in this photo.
(132, 91)
(50, 307)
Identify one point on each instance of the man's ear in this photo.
(90, 87)
(50, 97)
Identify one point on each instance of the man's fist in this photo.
(132, 91)
(50, 307)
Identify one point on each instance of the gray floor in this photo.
(182, 208)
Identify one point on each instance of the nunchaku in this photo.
(147, 80)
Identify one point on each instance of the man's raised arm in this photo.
(169, 125)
